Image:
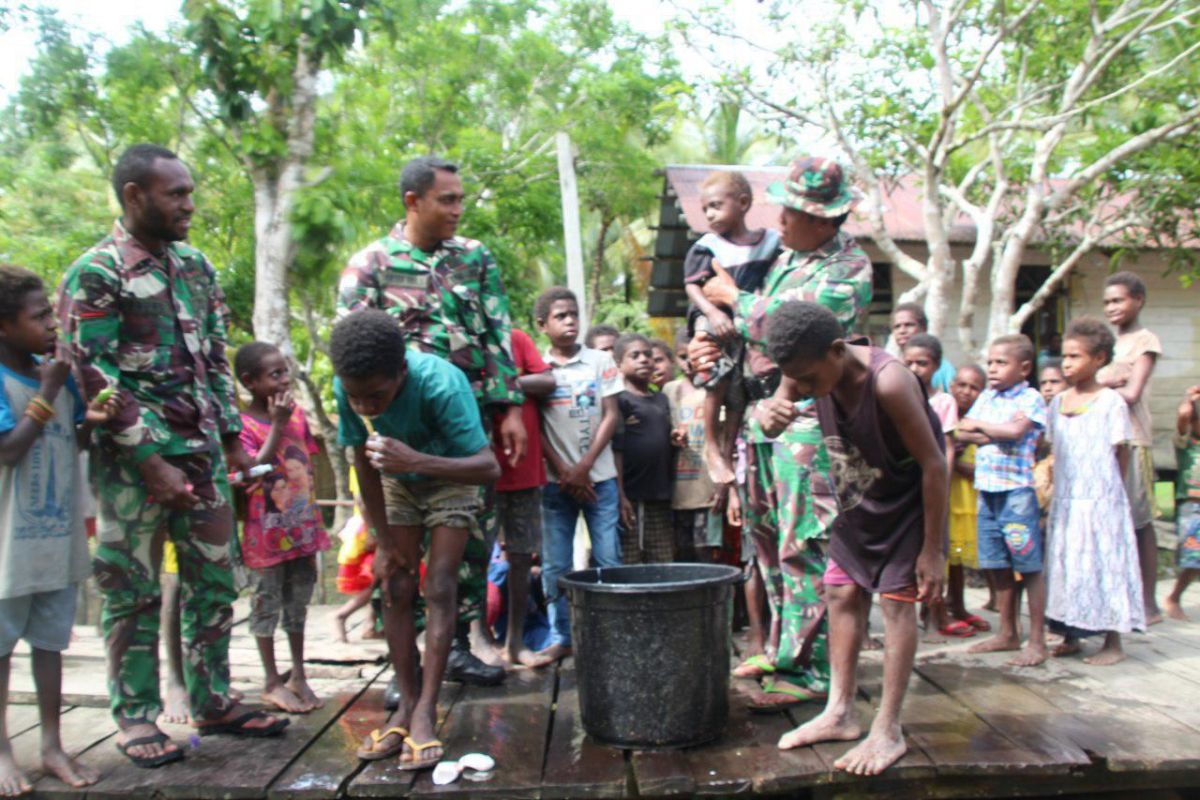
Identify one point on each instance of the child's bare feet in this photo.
(555, 652)
(13, 782)
(1030, 656)
(371, 633)
(826, 727)
(1173, 610)
(996, 644)
(1069, 647)
(524, 657)
(1154, 617)
(874, 754)
(67, 769)
(339, 628)
(1110, 654)
(284, 699)
(299, 686)
(176, 708)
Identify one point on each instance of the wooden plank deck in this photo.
(975, 727)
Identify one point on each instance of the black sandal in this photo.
(238, 727)
(150, 762)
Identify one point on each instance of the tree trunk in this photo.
(941, 262)
(598, 262)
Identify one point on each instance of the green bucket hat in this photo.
(815, 186)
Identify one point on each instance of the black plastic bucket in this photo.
(652, 652)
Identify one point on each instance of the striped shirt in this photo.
(1003, 466)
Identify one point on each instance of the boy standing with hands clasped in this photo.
(578, 423)
(1005, 423)
(43, 548)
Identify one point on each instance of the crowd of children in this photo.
(1047, 491)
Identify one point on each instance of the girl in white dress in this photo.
(1094, 585)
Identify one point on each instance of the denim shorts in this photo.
(1009, 533)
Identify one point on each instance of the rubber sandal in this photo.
(150, 762)
(958, 629)
(785, 697)
(977, 622)
(412, 764)
(754, 667)
(237, 727)
(376, 737)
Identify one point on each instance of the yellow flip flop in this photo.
(378, 736)
(415, 764)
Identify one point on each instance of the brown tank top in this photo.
(880, 526)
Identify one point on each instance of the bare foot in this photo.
(1030, 656)
(13, 782)
(555, 652)
(1110, 654)
(299, 686)
(151, 750)
(827, 727)
(1153, 618)
(996, 644)
(371, 633)
(283, 698)
(237, 695)
(67, 769)
(339, 629)
(522, 658)
(1173, 610)
(176, 708)
(1069, 647)
(874, 754)
(869, 642)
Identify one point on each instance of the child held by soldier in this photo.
(283, 530)
(43, 544)
(1187, 501)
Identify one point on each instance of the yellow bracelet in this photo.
(40, 402)
(37, 414)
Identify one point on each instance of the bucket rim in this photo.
(724, 574)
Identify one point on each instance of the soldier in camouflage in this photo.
(448, 297)
(791, 501)
(143, 315)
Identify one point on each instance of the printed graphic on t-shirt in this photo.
(46, 513)
(852, 476)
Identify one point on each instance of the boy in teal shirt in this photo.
(421, 455)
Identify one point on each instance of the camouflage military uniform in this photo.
(795, 468)
(154, 328)
(450, 303)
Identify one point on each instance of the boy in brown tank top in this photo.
(889, 470)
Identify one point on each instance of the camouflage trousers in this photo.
(130, 532)
(790, 509)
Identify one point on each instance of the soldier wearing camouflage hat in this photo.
(144, 316)
(791, 503)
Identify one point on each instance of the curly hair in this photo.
(247, 363)
(801, 330)
(1019, 342)
(979, 371)
(730, 180)
(916, 309)
(541, 306)
(600, 330)
(1130, 280)
(1094, 335)
(15, 283)
(625, 341)
(136, 165)
(365, 344)
(926, 341)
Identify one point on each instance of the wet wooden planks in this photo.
(576, 766)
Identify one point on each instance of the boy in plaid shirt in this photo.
(1005, 423)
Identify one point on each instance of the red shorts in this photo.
(836, 576)
(355, 577)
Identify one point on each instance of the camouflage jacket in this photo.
(450, 303)
(837, 275)
(156, 331)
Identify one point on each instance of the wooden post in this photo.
(570, 213)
